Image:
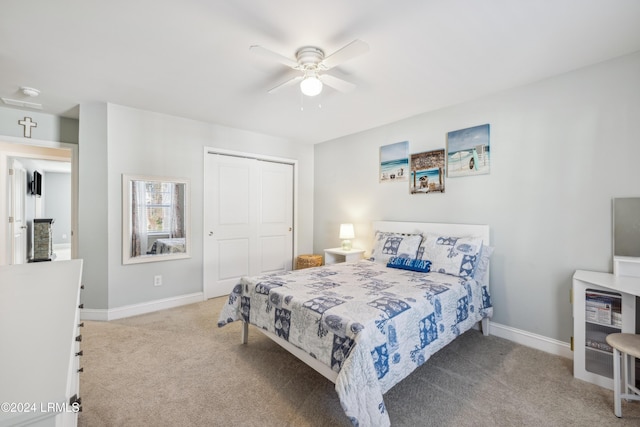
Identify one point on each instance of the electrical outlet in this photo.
(157, 280)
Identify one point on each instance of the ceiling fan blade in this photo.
(285, 84)
(336, 83)
(353, 49)
(266, 53)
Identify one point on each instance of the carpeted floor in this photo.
(177, 368)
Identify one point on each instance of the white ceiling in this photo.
(191, 58)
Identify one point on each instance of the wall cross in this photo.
(28, 124)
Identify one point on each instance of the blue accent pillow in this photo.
(412, 264)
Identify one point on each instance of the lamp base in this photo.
(346, 245)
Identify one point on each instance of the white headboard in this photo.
(435, 227)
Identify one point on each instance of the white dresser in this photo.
(40, 343)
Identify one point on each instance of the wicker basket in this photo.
(306, 261)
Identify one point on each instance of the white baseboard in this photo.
(100, 314)
(142, 308)
(529, 339)
(518, 336)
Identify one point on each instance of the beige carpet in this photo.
(177, 368)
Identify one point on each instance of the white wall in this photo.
(57, 205)
(147, 143)
(49, 127)
(561, 149)
(93, 205)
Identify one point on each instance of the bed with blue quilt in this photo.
(367, 325)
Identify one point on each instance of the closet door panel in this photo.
(248, 220)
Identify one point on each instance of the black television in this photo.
(36, 184)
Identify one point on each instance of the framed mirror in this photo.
(155, 219)
(626, 227)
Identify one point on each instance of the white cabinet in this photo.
(602, 304)
(335, 255)
(40, 342)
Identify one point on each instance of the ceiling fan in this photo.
(312, 63)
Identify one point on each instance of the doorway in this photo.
(55, 197)
(248, 218)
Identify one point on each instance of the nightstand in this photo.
(335, 255)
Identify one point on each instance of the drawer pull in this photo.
(79, 353)
(81, 370)
(81, 286)
(81, 325)
(77, 400)
(79, 338)
(81, 305)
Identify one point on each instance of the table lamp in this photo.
(346, 234)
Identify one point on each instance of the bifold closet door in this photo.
(248, 220)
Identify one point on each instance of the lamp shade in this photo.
(346, 231)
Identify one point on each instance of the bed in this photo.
(367, 325)
(168, 246)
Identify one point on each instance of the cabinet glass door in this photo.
(603, 316)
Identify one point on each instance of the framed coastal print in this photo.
(468, 151)
(394, 162)
(427, 172)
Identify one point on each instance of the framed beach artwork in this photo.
(427, 172)
(468, 151)
(394, 162)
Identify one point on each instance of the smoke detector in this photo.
(29, 91)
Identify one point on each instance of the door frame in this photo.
(35, 149)
(225, 152)
(17, 205)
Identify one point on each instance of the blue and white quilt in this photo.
(371, 324)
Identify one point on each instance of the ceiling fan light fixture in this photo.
(311, 86)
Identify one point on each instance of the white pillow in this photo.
(388, 244)
(482, 266)
(456, 256)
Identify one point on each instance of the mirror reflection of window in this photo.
(157, 217)
(155, 221)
